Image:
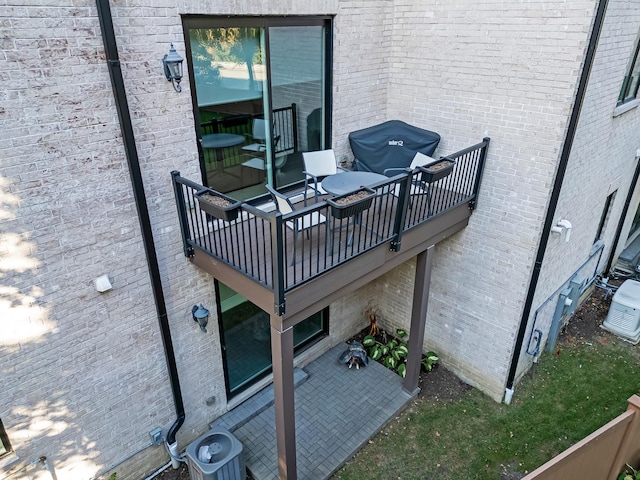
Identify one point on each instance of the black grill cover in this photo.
(391, 144)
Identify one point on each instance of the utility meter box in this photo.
(623, 318)
(216, 455)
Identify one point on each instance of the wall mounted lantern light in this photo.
(200, 316)
(172, 62)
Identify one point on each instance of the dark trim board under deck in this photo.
(321, 291)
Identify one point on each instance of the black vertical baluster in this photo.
(232, 232)
(305, 234)
(249, 241)
(265, 243)
(220, 244)
(242, 226)
(380, 213)
(463, 166)
(327, 234)
(293, 249)
(466, 174)
(440, 186)
(340, 228)
(252, 231)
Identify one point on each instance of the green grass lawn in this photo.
(570, 394)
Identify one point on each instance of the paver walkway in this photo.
(337, 410)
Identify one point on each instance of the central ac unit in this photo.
(623, 318)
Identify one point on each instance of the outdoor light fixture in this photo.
(200, 316)
(172, 62)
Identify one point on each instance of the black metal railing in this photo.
(283, 251)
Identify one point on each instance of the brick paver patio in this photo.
(337, 410)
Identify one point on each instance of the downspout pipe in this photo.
(117, 83)
(555, 193)
(625, 209)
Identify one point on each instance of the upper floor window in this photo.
(629, 90)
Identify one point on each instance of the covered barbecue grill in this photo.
(390, 145)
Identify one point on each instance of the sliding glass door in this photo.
(260, 94)
(260, 90)
(246, 338)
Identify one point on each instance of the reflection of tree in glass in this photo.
(239, 45)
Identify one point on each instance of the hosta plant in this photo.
(392, 352)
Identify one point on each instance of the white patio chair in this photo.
(301, 224)
(317, 166)
(258, 136)
(419, 160)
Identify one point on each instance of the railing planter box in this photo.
(218, 205)
(351, 204)
(435, 171)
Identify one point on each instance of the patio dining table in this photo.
(220, 141)
(347, 182)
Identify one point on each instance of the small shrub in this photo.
(429, 360)
(392, 352)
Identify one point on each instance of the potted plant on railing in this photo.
(351, 204)
(437, 170)
(218, 205)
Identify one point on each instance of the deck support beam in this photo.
(424, 264)
(284, 401)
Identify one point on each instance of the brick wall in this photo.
(602, 161)
(84, 375)
(85, 372)
(362, 39)
(510, 74)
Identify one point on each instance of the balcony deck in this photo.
(256, 254)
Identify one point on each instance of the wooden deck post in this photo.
(424, 264)
(284, 401)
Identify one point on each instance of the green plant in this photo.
(390, 353)
(629, 473)
(429, 360)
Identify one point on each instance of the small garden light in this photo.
(172, 62)
(200, 316)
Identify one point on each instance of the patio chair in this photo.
(301, 224)
(258, 136)
(419, 160)
(317, 166)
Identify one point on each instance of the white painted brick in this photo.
(92, 364)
